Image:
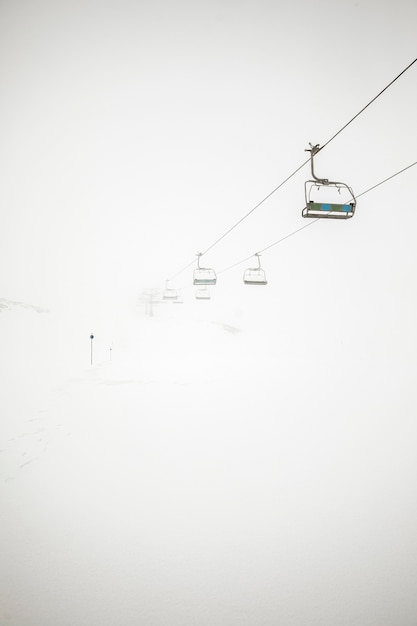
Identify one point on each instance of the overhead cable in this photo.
(369, 104)
(242, 218)
(255, 207)
(312, 222)
(386, 179)
(182, 270)
(308, 160)
(295, 171)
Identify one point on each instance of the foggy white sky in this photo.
(134, 134)
(275, 466)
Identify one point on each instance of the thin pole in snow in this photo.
(91, 353)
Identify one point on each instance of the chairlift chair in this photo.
(255, 275)
(203, 275)
(169, 294)
(202, 294)
(337, 200)
(178, 299)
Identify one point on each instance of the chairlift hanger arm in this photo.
(313, 150)
(324, 181)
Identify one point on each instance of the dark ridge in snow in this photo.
(8, 305)
(227, 327)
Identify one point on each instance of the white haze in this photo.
(198, 476)
(244, 461)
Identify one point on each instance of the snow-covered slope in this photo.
(8, 305)
(194, 475)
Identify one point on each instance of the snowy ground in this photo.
(199, 477)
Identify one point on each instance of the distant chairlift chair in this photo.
(203, 275)
(178, 299)
(202, 294)
(255, 275)
(327, 207)
(169, 294)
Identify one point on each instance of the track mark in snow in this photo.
(230, 329)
